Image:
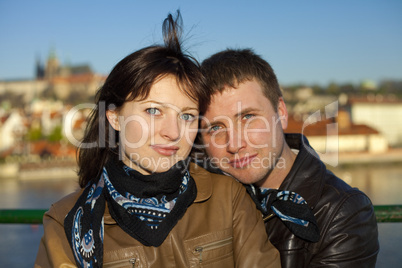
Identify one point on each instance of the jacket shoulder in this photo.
(59, 209)
(340, 190)
(345, 211)
(346, 200)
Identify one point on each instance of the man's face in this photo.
(243, 134)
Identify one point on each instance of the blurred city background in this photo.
(339, 64)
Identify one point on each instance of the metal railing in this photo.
(29, 216)
(388, 213)
(384, 213)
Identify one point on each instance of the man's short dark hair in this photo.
(231, 67)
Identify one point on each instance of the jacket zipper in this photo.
(268, 217)
(120, 263)
(214, 245)
(133, 261)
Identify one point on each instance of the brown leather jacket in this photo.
(345, 216)
(222, 228)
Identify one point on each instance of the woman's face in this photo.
(159, 131)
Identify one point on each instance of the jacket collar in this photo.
(305, 176)
(202, 179)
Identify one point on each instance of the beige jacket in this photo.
(222, 228)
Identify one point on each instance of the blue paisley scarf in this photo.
(146, 207)
(289, 207)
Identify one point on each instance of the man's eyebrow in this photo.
(209, 123)
(206, 124)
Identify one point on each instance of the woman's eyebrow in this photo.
(152, 101)
(164, 104)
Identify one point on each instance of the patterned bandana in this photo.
(290, 208)
(147, 218)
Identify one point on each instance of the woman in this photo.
(142, 203)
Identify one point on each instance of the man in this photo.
(311, 216)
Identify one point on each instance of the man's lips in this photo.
(242, 162)
(165, 150)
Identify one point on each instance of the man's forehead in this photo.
(231, 100)
(225, 97)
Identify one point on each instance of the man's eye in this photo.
(153, 111)
(214, 128)
(248, 116)
(187, 117)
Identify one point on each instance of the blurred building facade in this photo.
(55, 80)
(33, 114)
(383, 114)
(32, 111)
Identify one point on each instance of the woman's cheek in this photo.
(136, 134)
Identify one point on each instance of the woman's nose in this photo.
(170, 128)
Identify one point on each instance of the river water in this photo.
(19, 242)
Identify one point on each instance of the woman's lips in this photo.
(165, 150)
(242, 162)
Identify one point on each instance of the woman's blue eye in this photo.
(153, 111)
(187, 117)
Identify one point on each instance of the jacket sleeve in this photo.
(251, 245)
(54, 249)
(351, 237)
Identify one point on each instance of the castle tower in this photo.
(52, 66)
(39, 69)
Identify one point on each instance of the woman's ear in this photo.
(113, 119)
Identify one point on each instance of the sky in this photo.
(306, 42)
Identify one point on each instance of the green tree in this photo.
(34, 134)
(56, 134)
(333, 88)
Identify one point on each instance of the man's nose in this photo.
(235, 140)
(170, 128)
